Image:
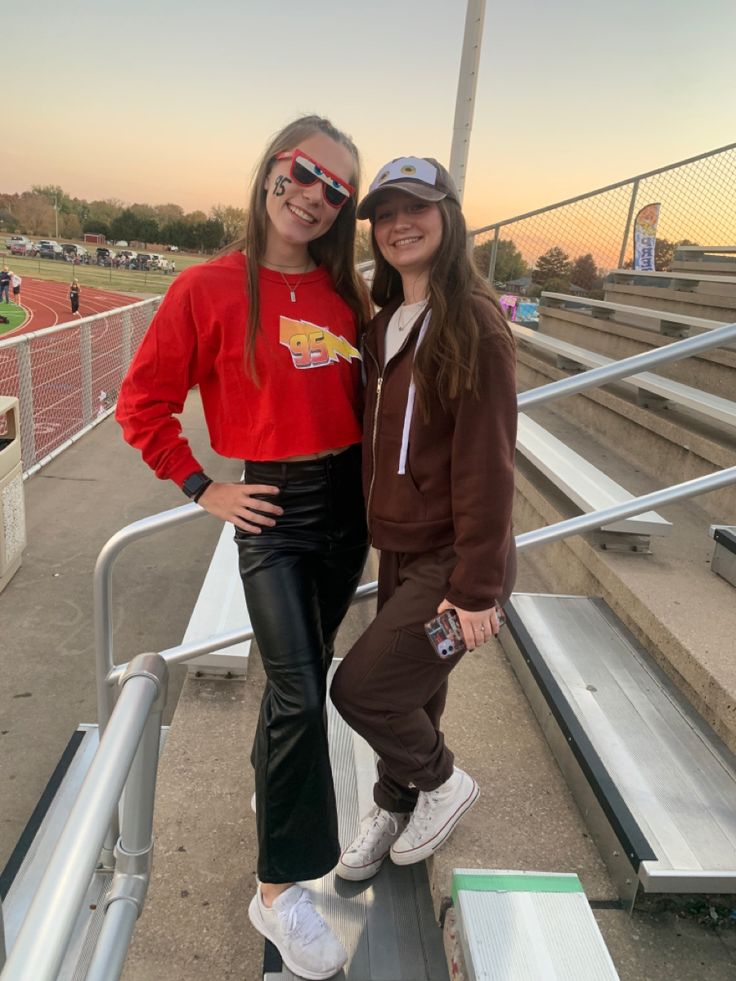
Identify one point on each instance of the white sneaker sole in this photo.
(421, 852)
(359, 873)
(254, 915)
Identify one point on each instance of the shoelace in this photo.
(302, 919)
(373, 826)
(422, 816)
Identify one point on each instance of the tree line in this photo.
(555, 271)
(37, 212)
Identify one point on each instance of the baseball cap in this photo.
(422, 177)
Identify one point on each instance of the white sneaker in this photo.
(307, 945)
(434, 818)
(379, 829)
(253, 803)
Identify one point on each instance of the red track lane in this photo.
(47, 303)
(55, 364)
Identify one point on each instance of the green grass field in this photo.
(118, 280)
(15, 314)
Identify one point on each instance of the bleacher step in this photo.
(512, 925)
(386, 923)
(653, 781)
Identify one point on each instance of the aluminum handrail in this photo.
(524, 541)
(627, 366)
(127, 757)
(108, 675)
(195, 648)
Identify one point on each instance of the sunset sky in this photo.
(162, 101)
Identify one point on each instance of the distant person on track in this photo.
(74, 292)
(438, 446)
(15, 282)
(270, 333)
(4, 284)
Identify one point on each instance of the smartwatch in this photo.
(195, 485)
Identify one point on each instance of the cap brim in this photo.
(368, 204)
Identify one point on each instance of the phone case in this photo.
(445, 634)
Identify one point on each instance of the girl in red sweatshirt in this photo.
(269, 333)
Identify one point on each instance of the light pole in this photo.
(466, 86)
(56, 215)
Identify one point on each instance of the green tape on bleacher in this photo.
(490, 882)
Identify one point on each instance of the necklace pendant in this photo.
(292, 294)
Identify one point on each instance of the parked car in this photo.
(104, 256)
(143, 261)
(48, 249)
(172, 248)
(74, 253)
(19, 244)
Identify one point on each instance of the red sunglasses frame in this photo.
(293, 154)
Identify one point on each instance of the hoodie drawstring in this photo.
(409, 412)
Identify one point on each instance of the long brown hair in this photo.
(334, 250)
(446, 363)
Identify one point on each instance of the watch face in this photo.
(194, 483)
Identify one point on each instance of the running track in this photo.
(47, 303)
(56, 369)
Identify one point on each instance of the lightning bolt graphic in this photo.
(312, 346)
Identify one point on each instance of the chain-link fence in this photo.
(576, 242)
(67, 378)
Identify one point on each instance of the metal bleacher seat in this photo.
(670, 323)
(682, 281)
(656, 785)
(651, 389)
(586, 486)
(705, 258)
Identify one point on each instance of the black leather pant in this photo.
(299, 578)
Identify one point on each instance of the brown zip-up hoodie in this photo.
(459, 482)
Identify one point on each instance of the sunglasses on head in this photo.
(306, 171)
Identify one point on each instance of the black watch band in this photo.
(195, 485)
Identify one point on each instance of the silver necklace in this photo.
(402, 324)
(292, 288)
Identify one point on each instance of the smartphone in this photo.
(445, 634)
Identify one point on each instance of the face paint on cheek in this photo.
(279, 186)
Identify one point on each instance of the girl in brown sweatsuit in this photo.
(438, 466)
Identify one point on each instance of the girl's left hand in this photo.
(478, 626)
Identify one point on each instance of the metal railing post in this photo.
(85, 362)
(102, 613)
(134, 850)
(629, 217)
(494, 254)
(41, 943)
(25, 392)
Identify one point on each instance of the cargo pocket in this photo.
(412, 671)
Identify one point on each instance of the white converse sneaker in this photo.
(379, 829)
(307, 945)
(434, 818)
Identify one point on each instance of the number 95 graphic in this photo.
(310, 349)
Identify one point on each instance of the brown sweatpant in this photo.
(392, 685)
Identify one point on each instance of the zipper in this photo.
(379, 385)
